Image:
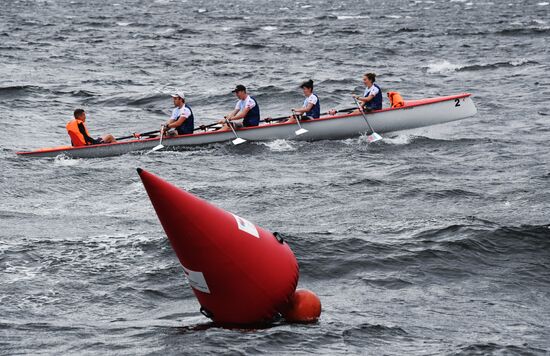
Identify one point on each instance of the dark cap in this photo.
(239, 87)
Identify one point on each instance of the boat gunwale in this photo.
(416, 102)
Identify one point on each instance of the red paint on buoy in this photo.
(239, 272)
(304, 307)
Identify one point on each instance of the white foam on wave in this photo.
(442, 67)
(519, 62)
(269, 28)
(349, 141)
(543, 3)
(352, 17)
(123, 24)
(166, 31)
(279, 145)
(65, 161)
(401, 139)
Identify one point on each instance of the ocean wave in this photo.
(352, 17)
(350, 31)
(326, 17)
(444, 67)
(401, 139)
(357, 334)
(501, 241)
(447, 193)
(542, 30)
(454, 251)
(141, 100)
(18, 90)
(406, 30)
(64, 161)
(492, 348)
(338, 258)
(279, 146)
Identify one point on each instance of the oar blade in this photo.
(301, 131)
(238, 141)
(374, 137)
(156, 148)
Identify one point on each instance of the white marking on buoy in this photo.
(246, 226)
(196, 280)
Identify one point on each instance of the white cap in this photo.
(178, 93)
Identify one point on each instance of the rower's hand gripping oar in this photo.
(373, 137)
(137, 135)
(160, 145)
(301, 130)
(237, 140)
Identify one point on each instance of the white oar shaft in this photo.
(161, 134)
(362, 113)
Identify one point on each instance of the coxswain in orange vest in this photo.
(79, 133)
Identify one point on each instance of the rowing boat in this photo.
(414, 114)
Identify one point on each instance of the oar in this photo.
(374, 136)
(237, 140)
(149, 133)
(204, 127)
(286, 117)
(136, 135)
(160, 145)
(301, 130)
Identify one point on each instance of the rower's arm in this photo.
(309, 107)
(241, 114)
(365, 99)
(88, 139)
(232, 114)
(176, 123)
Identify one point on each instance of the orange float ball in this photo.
(304, 307)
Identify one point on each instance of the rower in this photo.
(312, 105)
(79, 133)
(372, 98)
(247, 108)
(182, 120)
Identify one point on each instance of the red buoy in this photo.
(239, 272)
(304, 307)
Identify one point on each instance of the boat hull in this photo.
(415, 114)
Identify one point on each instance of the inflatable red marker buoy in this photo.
(239, 272)
(303, 307)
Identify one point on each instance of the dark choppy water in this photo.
(432, 242)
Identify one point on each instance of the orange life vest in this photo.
(396, 100)
(77, 137)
